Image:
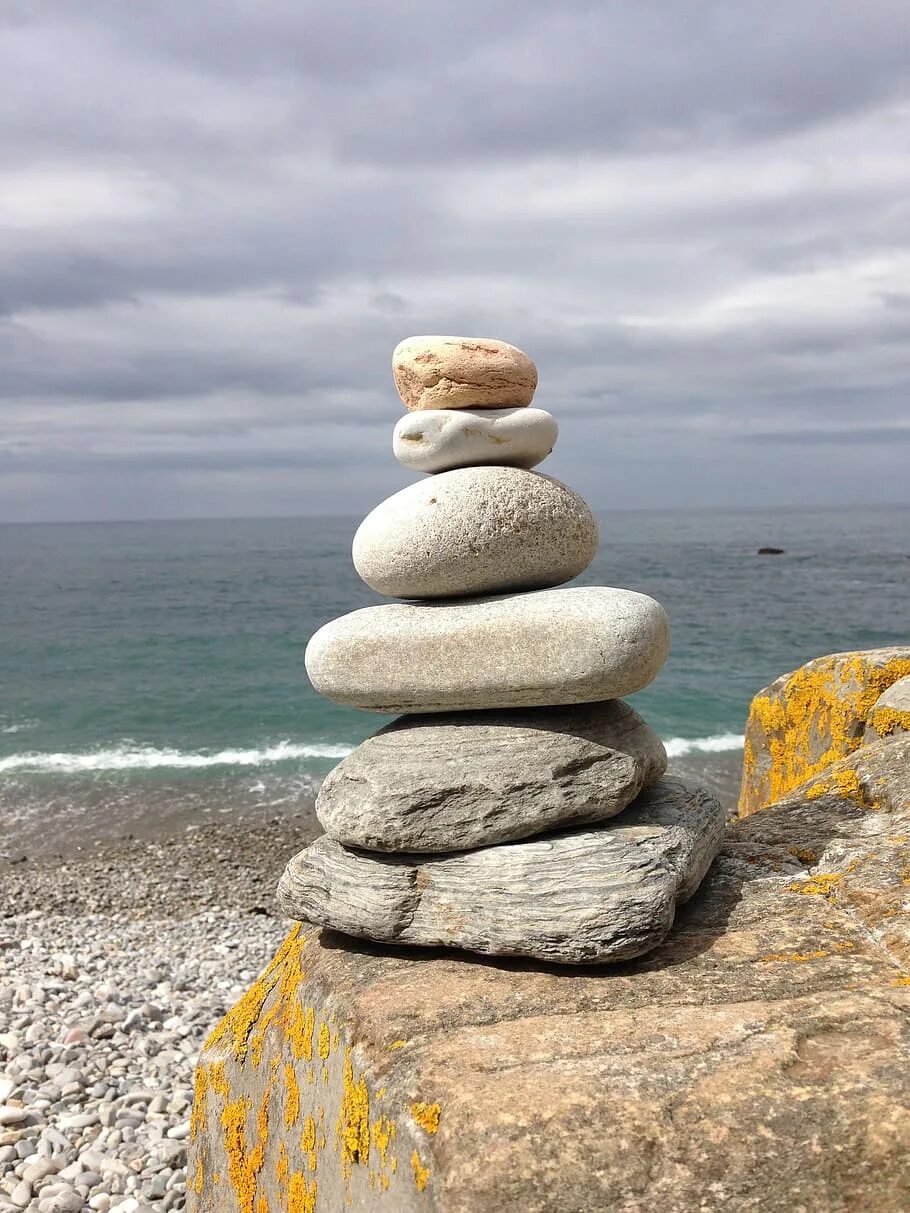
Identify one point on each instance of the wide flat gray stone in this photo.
(583, 896)
(573, 645)
(449, 782)
(476, 530)
(437, 440)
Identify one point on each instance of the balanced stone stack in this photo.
(518, 806)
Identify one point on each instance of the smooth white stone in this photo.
(437, 440)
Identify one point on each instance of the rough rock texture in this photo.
(575, 645)
(478, 530)
(462, 373)
(806, 720)
(583, 896)
(890, 715)
(756, 1061)
(436, 440)
(456, 781)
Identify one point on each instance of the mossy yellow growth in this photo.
(291, 1095)
(241, 1172)
(325, 1041)
(426, 1115)
(262, 1204)
(301, 1194)
(421, 1173)
(282, 1166)
(901, 981)
(792, 957)
(383, 1134)
(353, 1127)
(308, 1141)
(886, 721)
(823, 884)
(796, 731)
(200, 1097)
(804, 855)
(840, 781)
(236, 1027)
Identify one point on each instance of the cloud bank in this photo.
(216, 221)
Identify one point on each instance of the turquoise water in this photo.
(152, 673)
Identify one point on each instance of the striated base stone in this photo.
(755, 1061)
(585, 896)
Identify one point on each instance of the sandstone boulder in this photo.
(756, 1060)
(449, 782)
(478, 530)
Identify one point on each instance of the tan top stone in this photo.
(462, 373)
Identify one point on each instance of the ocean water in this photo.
(152, 674)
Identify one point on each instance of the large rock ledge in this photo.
(758, 1060)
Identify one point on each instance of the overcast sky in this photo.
(218, 219)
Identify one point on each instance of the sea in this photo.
(152, 673)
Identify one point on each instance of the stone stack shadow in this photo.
(517, 806)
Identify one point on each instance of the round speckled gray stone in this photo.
(437, 440)
(477, 530)
(572, 645)
(454, 781)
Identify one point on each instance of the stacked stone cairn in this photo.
(517, 806)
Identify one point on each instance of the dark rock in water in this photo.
(585, 896)
(771, 551)
(452, 781)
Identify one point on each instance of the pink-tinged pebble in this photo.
(76, 1036)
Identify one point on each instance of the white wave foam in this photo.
(676, 747)
(129, 757)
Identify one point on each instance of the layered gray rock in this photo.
(475, 530)
(455, 781)
(462, 372)
(583, 896)
(437, 440)
(573, 645)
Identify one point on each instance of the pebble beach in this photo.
(115, 963)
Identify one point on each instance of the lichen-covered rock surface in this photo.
(757, 1060)
(813, 717)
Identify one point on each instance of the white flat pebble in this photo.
(436, 440)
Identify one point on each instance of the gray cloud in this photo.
(217, 220)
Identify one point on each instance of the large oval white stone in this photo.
(462, 373)
(480, 530)
(572, 645)
(437, 440)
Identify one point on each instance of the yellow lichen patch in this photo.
(262, 1204)
(235, 1028)
(218, 1080)
(886, 721)
(383, 1134)
(241, 1172)
(200, 1096)
(843, 782)
(901, 981)
(282, 1167)
(816, 718)
(426, 1115)
(308, 1141)
(325, 1041)
(822, 885)
(301, 1023)
(398, 1044)
(280, 1013)
(353, 1128)
(804, 855)
(291, 1095)
(792, 957)
(421, 1173)
(301, 1194)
